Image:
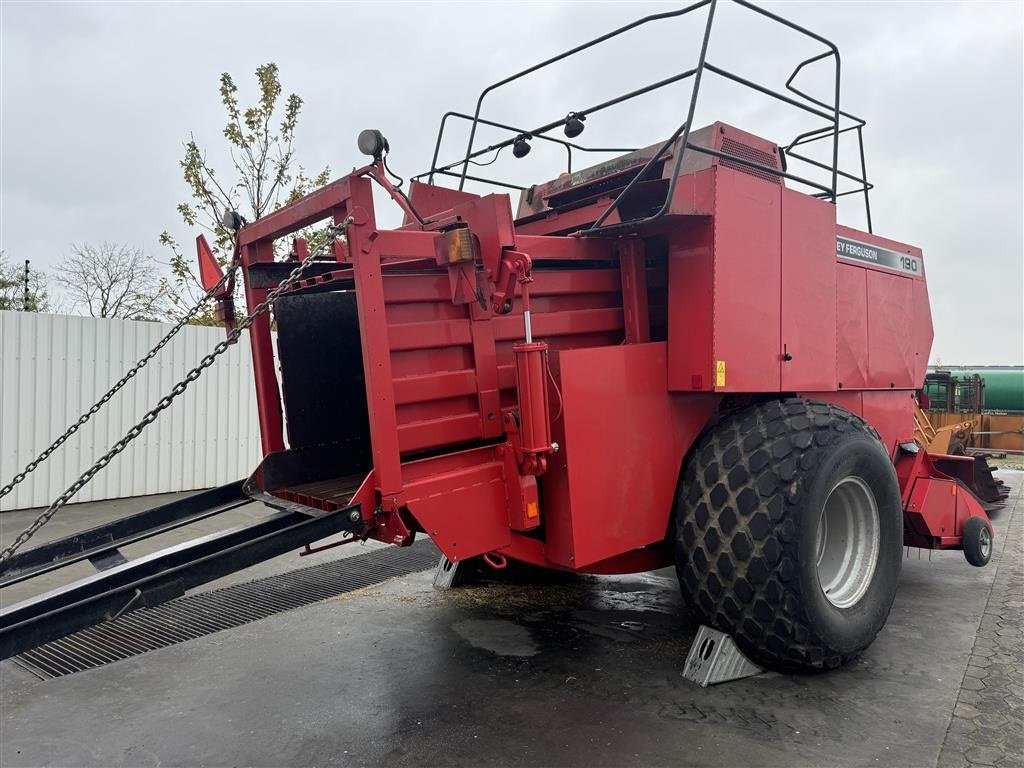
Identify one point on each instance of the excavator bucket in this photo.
(986, 487)
(953, 440)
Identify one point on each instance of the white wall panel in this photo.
(53, 367)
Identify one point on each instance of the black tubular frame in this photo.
(830, 112)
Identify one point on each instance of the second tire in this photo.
(789, 533)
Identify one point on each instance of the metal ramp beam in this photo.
(103, 541)
(160, 576)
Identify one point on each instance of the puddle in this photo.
(505, 638)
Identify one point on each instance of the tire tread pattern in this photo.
(737, 545)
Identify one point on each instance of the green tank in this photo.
(1004, 388)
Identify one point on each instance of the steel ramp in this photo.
(124, 585)
(101, 544)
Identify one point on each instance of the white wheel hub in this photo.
(847, 542)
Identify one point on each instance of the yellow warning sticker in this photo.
(720, 373)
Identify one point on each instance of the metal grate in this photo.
(193, 616)
(754, 155)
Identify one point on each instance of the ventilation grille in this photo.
(745, 151)
(193, 616)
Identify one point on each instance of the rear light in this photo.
(454, 246)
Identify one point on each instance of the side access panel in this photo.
(884, 320)
(890, 324)
(610, 490)
(852, 327)
(725, 298)
(808, 293)
(747, 279)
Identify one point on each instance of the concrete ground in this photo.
(585, 672)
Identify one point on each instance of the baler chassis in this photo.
(656, 353)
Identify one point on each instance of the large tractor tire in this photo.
(789, 533)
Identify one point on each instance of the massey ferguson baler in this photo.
(676, 356)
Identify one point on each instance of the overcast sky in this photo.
(97, 99)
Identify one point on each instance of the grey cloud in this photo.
(98, 98)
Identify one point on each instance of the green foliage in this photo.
(264, 175)
(12, 288)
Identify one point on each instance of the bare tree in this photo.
(112, 280)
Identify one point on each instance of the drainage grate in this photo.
(203, 614)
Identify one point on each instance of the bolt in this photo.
(354, 516)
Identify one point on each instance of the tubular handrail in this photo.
(564, 55)
(830, 112)
(570, 146)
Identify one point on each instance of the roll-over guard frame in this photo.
(795, 98)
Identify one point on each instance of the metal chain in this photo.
(169, 398)
(114, 389)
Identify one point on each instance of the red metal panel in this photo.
(301, 213)
(559, 323)
(890, 330)
(439, 349)
(808, 292)
(451, 429)
(922, 332)
(408, 289)
(433, 386)
(900, 332)
(695, 193)
(624, 441)
(429, 334)
(891, 413)
(691, 311)
(747, 280)
(635, 309)
(429, 199)
(931, 511)
(852, 326)
(541, 247)
(460, 501)
(380, 390)
(268, 394)
(490, 220)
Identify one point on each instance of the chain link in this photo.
(30, 467)
(176, 390)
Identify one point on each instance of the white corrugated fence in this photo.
(54, 367)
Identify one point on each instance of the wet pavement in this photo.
(987, 727)
(579, 671)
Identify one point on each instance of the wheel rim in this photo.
(985, 540)
(848, 542)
